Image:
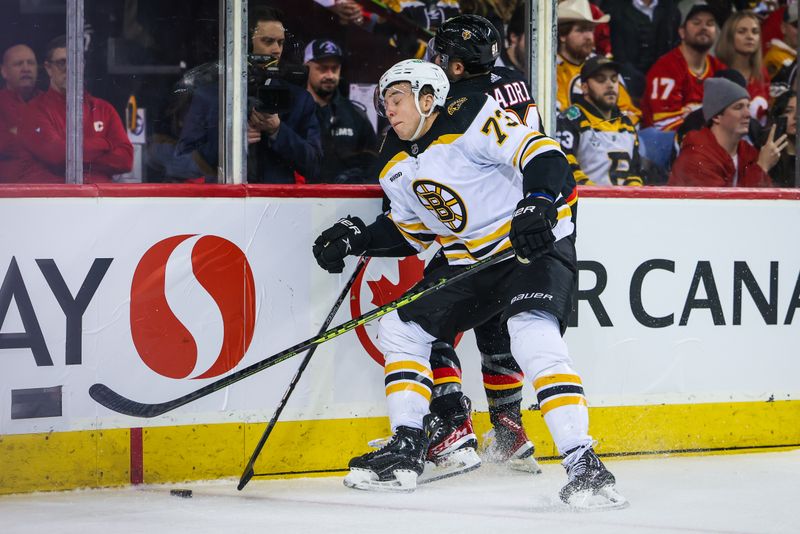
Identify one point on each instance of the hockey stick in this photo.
(248, 472)
(116, 402)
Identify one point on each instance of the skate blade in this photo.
(404, 481)
(456, 463)
(525, 465)
(606, 498)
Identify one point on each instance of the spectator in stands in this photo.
(106, 148)
(641, 32)
(602, 32)
(739, 47)
(404, 23)
(513, 54)
(348, 11)
(284, 147)
(19, 71)
(349, 144)
(783, 114)
(784, 80)
(600, 142)
(696, 121)
(717, 155)
(575, 44)
(674, 84)
(783, 52)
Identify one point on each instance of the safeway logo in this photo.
(192, 306)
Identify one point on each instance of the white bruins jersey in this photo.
(460, 183)
(600, 151)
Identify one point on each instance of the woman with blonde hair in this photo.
(739, 47)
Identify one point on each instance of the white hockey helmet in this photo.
(419, 74)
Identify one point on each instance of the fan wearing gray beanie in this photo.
(718, 154)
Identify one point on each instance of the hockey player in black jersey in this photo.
(466, 47)
(478, 182)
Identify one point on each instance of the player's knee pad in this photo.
(397, 337)
(536, 342)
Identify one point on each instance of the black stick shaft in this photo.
(248, 472)
(112, 400)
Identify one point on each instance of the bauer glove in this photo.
(348, 237)
(532, 225)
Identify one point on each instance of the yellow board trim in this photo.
(91, 458)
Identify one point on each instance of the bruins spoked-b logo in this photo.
(443, 202)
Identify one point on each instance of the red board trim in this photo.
(137, 456)
(356, 191)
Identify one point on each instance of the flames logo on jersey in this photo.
(442, 202)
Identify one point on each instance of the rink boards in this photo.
(685, 330)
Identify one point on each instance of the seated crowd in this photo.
(649, 92)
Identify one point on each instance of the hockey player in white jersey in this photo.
(478, 181)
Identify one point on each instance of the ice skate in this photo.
(508, 443)
(452, 444)
(394, 467)
(591, 486)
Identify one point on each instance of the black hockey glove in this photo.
(348, 237)
(532, 227)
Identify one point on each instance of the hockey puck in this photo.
(185, 493)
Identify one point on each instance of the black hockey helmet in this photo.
(469, 38)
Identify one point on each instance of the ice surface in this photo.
(737, 494)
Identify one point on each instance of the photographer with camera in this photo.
(282, 127)
(349, 143)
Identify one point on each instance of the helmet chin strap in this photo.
(422, 117)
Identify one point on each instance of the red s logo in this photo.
(163, 342)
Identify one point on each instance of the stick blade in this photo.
(112, 400)
(246, 476)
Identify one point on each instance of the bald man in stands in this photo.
(19, 71)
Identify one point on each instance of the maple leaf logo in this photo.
(410, 271)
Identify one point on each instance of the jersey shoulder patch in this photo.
(461, 111)
(455, 105)
(572, 113)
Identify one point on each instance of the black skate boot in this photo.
(591, 485)
(452, 442)
(508, 443)
(394, 467)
